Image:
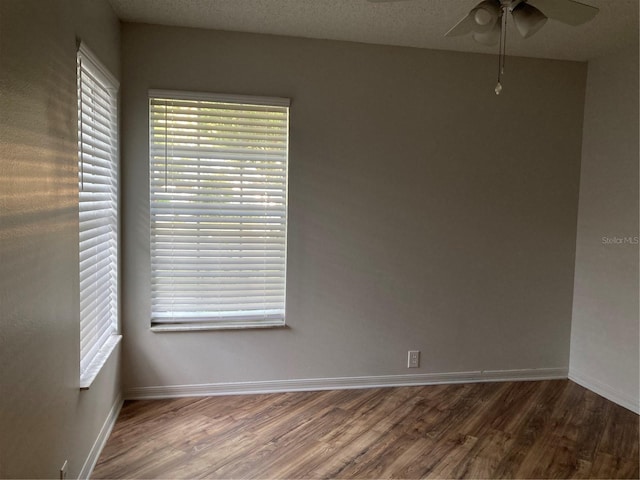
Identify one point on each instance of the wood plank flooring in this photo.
(548, 429)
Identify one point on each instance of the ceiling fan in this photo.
(487, 21)
(529, 16)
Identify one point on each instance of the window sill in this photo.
(200, 326)
(94, 369)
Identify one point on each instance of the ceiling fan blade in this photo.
(492, 37)
(463, 27)
(528, 19)
(566, 11)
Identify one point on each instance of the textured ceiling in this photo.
(413, 23)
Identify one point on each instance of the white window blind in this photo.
(218, 196)
(98, 186)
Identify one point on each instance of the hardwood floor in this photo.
(548, 429)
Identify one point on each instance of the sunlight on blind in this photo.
(98, 204)
(218, 196)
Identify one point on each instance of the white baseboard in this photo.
(605, 390)
(310, 384)
(103, 436)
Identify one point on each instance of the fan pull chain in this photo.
(503, 49)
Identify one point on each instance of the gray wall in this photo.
(425, 212)
(604, 334)
(44, 418)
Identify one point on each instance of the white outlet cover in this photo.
(413, 359)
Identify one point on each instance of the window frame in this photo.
(160, 321)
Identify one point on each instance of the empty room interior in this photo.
(319, 239)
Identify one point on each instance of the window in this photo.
(218, 193)
(98, 201)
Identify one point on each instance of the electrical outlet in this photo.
(63, 471)
(413, 360)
